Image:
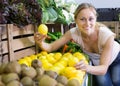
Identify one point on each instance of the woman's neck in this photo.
(90, 37)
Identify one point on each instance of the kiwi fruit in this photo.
(73, 82)
(2, 67)
(47, 81)
(51, 73)
(36, 63)
(38, 78)
(29, 71)
(6, 78)
(13, 67)
(14, 83)
(62, 79)
(0, 77)
(59, 84)
(40, 71)
(27, 81)
(23, 66)
(1, 83)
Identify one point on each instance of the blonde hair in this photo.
(84, 6)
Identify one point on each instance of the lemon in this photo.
(72, 61)
(23, 61)
(28, 59)
(44, 53)
(43, 29)
(69, 72)
(57, 56)
(51, 59)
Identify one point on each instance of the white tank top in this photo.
(104, 34)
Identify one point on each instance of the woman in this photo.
(96, 40)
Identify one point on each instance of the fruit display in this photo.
(43, 69)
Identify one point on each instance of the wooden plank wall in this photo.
(16, 43)
(114, 26)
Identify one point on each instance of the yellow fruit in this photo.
(32, 57)
(44, 53)
(72, 61)
(67, 54)
(28, 59)
(79, 55)
(80, 74)
(63, 62)
(43, 29)
(51, 59)
(46, 65)
(57, 56)
(56, 69)
(42, 58)
(23, 61)
(69, 72)
(76, 78)
(59, 65)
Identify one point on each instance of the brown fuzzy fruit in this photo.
(10, 77)
(73, 82)
(36, 63)
(47, 81)
(38, 78)
(59, 84)
(29, 71)
(14, 83)
(40, 71)
(62, 79)
(2, 67)
(51, 73)
(13, 67)
(1, 83)
(27, 81)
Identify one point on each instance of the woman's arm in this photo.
(49, 47)
(105, 60)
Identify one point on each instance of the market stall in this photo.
(18, 25)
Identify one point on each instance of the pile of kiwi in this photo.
(14, 74)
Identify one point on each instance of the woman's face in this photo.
(86, 20)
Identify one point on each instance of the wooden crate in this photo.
(114, 26)
(16, 43)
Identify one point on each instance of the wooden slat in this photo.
(36, 46)
(20, 54)
(23, 53)
(29, 29)
(19, 44)
(114, 26)
(109, 24)
(116, 29)
(10, 42)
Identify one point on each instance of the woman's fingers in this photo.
(81, 65)
(39, 38)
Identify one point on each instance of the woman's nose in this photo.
(87, 22)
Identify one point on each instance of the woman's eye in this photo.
(82, 19)
(91, 19)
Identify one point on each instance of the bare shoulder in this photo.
(67, 34)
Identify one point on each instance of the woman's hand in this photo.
(82, 66)
(39, 38)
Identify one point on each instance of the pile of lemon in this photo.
(63, 64)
